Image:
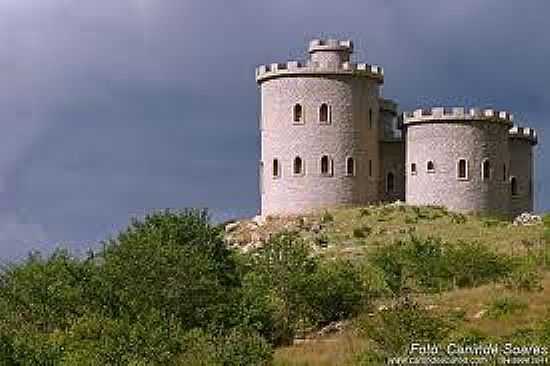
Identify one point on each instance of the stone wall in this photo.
(521, 167)
(445, 143)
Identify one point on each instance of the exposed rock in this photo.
(334, 327)
(232, 226)
(480, 314)
(526, 219)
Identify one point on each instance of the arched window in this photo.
(504, 173)
(413, 168)
(297, 113)
(370, 118)
(326, 166)
(486, 170)
(276, 168)
(298, 166)
(462, 169)
(390, 183)
(514, 186)
(324, 113)
(350, 166)
(430, 167)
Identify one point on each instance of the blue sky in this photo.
(114, 108)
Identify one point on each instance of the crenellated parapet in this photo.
(317, 45)
(296, 68)
(442, 114)
(388, 105)
(526, 133)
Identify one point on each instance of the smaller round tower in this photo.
(459, 159)
(521, 142)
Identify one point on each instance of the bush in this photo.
(361, 232)
(236, 347)
(336, 292)
(525, 275)
(457, 218)
(504, 306)
(327, 218)
(392, 331)
(135, 302)
(546, 220)
(430, 265)
(364, 212)
(287, 290)
(473, 264)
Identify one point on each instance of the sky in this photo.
(111, 109)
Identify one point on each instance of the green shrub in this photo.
(362, 232)
(433, 266)
(364, 212)
(336, 291)
(457, 218)
(392, 331)
(525, 275)
(546, 235)
(473, 264)
(236, 347)
(411, 220)
(327, 217)
(504, 306)
(546, 220)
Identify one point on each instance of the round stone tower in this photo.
(458, 159)
(521, 142)
(319, 131)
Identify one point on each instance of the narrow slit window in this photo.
(324, 113)
(430, 166)
(326, 166)
(350, 166)
(486, 170)
(390, 183)
(462, 169)
(298, 113)
(276, 168)
(514, 186)
(413, 168)
(298, 167)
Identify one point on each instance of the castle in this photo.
(329, 138)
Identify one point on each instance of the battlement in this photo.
(457, 114)
(290, 68)
(526, 133)
(317, 45)
(388, 105)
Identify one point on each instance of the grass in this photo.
(388, 224)
(490, 311)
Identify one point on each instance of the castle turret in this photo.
(319, 131)
(459, 159)
(521, 142)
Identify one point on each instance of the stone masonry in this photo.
(329, 139)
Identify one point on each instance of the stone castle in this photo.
(330, 139)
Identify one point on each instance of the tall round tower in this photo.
(319, 131)
(458, 159)
(521, 142)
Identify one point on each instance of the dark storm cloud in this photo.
(113, 108)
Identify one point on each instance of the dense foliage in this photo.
(150, 297)
(169, 291)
